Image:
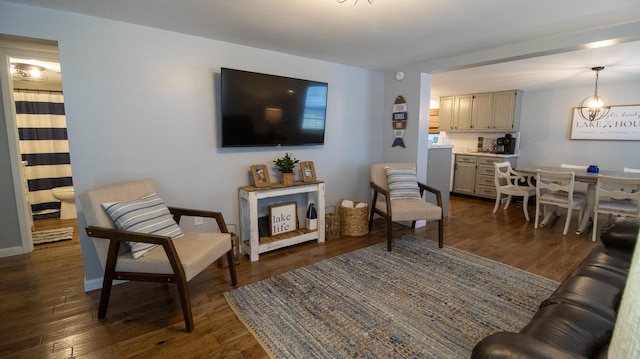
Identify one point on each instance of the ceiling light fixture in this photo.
(25, 72)
(355, 2)
(595, 107)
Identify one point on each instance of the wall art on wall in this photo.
(622, 123)
(399, 121)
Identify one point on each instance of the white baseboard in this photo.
(11, 251)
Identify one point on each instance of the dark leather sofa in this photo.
(577, 320)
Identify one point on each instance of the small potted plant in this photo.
(285, 165)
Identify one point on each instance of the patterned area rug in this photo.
(417, 301)
(52, 235)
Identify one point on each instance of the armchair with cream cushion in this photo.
(164, 253)
(398, 197)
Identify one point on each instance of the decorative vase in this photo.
(287, 179)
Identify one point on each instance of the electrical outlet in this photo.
(198, 221)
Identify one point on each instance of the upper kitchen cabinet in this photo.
(447, 105)
(506, 110)
(482, 112)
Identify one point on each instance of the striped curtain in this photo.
(42, 128)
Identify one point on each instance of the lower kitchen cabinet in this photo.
(474, 174)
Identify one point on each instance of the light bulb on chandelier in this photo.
(595, 107)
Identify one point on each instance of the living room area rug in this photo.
(417, 301)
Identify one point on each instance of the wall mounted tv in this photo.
(267, 110)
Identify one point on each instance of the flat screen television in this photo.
(267, 110)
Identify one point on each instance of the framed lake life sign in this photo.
(283, 218)
(622, 123)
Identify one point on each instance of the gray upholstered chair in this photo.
(399, 197)
(167, 260)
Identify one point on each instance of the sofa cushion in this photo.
(591, 294)
(611, 258)
(570, 328)
(615, 278)
(506, 345)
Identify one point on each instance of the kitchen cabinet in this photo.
(474, 174)
(464, 175)
(481, 112)
(462, 115)
(447, 105)
(506, 110)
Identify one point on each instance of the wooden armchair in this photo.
(173, 260)
(407, 205)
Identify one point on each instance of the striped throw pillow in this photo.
(145, 215)
(403, 183)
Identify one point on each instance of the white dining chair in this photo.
(555, 189)
(616, 196)
(511, 183)
(631, 170)
(578, 188)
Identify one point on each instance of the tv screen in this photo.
(268, 110)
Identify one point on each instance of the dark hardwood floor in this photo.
(45, 312)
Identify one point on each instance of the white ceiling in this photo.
(386, 34)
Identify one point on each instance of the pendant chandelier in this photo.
(595, 107)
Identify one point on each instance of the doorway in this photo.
(36, 136)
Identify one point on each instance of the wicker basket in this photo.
(353, 221)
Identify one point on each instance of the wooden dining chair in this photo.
(616, 196)
(511, 183)
(137, 238)
(555, 189)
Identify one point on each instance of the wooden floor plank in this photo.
(45, 312)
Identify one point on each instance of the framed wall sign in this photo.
(283, 218)
(260, 175)
(308, 171)
(622, 123)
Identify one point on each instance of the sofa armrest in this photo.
(506, 345)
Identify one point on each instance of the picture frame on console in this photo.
(308, 171)
(260, 175)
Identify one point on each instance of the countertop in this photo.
(435, 147)
(488, 154)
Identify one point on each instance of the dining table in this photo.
(590, 178)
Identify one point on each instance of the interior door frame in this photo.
(9, 49)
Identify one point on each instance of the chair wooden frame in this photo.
(116, 237)
(388, 216)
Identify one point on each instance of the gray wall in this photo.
(9, 226)
(545, 128)
(141, 102)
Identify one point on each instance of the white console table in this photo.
(248, 197)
